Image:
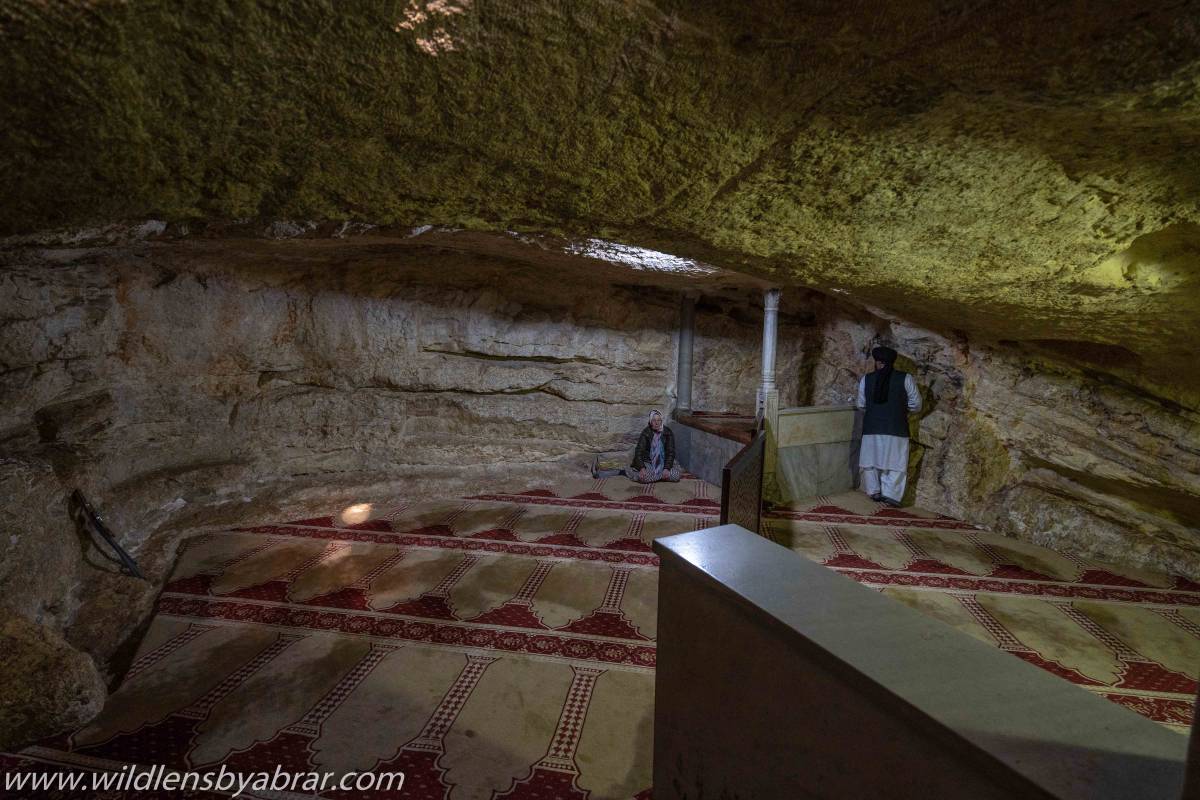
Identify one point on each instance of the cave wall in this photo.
(1030, 446)
(1015, 170)
(195, 383)
(727, 353)
(183, 386)
(1020, 172)
(159, 369)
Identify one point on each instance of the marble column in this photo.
(687, 328)
(767, 389)
(768, 395)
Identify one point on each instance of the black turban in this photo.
(885, 354)
(883, 377)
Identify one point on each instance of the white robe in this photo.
(883, 452)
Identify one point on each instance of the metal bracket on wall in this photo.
(88, 522)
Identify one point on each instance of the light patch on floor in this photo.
(420, 571)
(274, 562)
(335, 572)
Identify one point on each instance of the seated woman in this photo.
(653, 458)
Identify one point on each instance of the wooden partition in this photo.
(742, 485)
(778, 678)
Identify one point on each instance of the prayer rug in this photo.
(1129, 635)
(503, 645)
(499, 646)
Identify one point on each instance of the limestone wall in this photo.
(727, 354)
(1060, 456)
(159, 369)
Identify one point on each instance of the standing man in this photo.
(887, 397)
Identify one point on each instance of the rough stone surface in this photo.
(48, 685)
(1017, 171)
(39, 551)
(228, 280)
(157, 361)
(1063, 457)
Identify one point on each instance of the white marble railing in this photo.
(817, 451)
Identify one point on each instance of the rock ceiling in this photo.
(1019, 172)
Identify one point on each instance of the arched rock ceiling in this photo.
(1018, 171)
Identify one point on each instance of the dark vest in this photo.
(890, 418)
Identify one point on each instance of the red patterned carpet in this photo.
(502, 646)
(499, 646)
